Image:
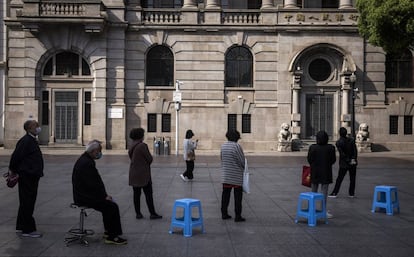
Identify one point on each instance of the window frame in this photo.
(393, 124)
(159, 67)
(235, 64)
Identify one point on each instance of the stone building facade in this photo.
(96, 69)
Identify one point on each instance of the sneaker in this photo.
(329, 215)
(116, 241)
(139, 216)
(33, 234)
(183, 178)
(351, 196)
(105, 235)
(332, 195)
(155, 216)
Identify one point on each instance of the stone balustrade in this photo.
(240, 17)
(161, 16)
(64, 9)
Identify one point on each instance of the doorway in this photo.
(66, 117)
(319, 114)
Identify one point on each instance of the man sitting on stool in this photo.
(89, 190)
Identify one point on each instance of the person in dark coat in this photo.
(140, 173)
(27, 161)
(348, 154)
(321, 157)
(89, 190)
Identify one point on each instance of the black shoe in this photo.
(225, 216)
(239, 219)
(139, 216)
(332, 195)
(155, 216)
(116, 241)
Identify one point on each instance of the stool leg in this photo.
(312, 212)
(200, 215)
(374, 201)
(187, 222)
(397, 201)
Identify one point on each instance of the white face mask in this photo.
(38, 130)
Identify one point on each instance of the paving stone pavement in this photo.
(270, 210)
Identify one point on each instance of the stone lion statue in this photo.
(363, 133)
(284, 133)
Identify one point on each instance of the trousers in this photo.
(148, 198)
(110, 216)
(340, 178)
(28, 186)
(225, 200)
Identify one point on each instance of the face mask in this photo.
(98, 155)
(38, 130)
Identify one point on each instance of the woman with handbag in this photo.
(321, 157)
(189, 155)
(233, 163)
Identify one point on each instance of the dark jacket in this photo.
(321, 157)
(27, 159)
(88, 187)
(347, 151)
(140, 167)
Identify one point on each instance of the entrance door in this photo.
(319, 114)
(66, 117)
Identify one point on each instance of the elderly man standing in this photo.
(27, 162)
(89, 190)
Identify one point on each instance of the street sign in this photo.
(177, 96)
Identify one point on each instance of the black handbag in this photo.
(11, 179)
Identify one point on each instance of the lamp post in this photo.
(352, 80)
(177, 99)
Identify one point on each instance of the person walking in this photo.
(347, 162)
(89, 190)
(321, 157)
(189, 155)
(140, 173)
(232, 168)
(27, 162)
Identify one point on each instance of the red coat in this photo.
(140, 167)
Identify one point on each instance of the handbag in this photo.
(11, 179)
(246, 176)
(306, 176)
(191, 155)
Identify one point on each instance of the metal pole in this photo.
(176, 130)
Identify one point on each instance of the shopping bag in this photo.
(306, 176)
(246, 177)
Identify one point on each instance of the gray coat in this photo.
(140, 167)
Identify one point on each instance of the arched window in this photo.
(66, 64)
(160, 67)
(239, 67)
(318, 3)
(399, 70)
(162, 3)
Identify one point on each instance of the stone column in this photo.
(189, 4)
(345, 106)
(213, 4)
(267, 4)
(296, 103)
(343, 4)
(290, 4)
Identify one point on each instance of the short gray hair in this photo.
(92, 145)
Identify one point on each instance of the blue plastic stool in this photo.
(383, 198)
(187, 222)
(312, 214)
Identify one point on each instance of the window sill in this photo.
(407, 89)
